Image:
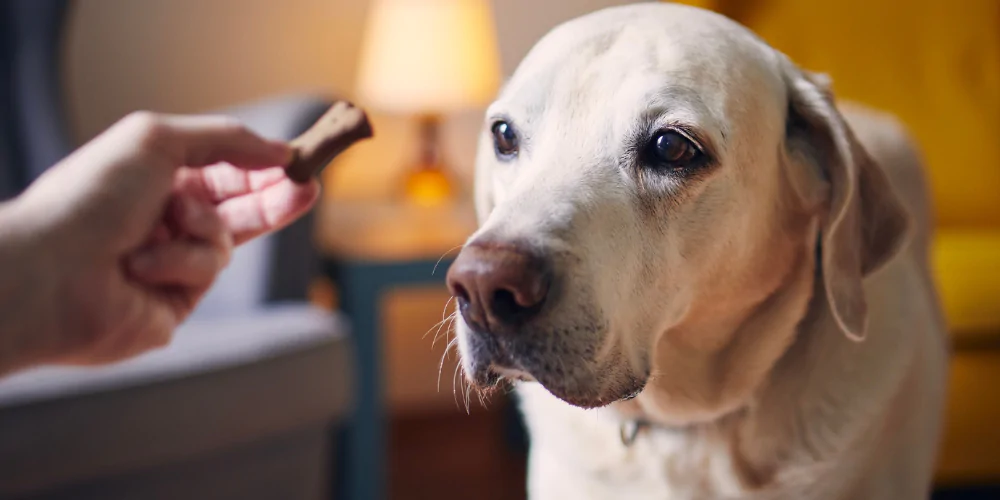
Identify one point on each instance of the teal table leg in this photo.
(362, 463)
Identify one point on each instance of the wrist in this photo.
(22, 310)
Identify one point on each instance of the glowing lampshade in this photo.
(428, 56)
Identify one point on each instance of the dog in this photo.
(705, 278)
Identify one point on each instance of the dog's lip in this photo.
(512, 373)
(492, 376)
(596, 400)
(492, 364)
(597, 397)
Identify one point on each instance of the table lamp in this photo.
(427, 58)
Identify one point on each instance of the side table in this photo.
(369, 248)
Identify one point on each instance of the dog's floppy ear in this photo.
(864, 224)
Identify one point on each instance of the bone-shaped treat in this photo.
(338, 129)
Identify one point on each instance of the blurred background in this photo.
(310, 370)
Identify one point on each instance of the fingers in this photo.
(196, 219)
(213, 156)
(187, 217)
(198, 250)
(161, 234)
(251, 203)
(180, 263)
(197, 141)
(222, 181)
(266, 210)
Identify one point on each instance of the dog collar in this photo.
(630, 429)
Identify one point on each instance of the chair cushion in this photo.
(241, 288)
(198, 347)
(967, 269)
(219, 384)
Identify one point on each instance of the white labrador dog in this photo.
(707, 280)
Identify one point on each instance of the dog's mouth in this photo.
(493, 376)
(489, 366)
(596, 394)
(566, 372)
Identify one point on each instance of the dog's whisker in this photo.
(437, 326)
(444, 311)
(441, 368)
(441, 325)
(438, 263)
(454, 387)
(468, 395)
(444, 318)
(444, 357)
(444, 326)
(447, 327)
(463, 387)
(484, 399)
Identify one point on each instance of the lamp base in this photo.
(428, 183)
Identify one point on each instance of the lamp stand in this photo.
(428, 182)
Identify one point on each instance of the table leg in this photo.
(363, 474)
(363, 468)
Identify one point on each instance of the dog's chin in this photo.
(565, 369)
(596, 394)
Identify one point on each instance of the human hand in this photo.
(102, 269)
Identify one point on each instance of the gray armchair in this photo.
(240, 405)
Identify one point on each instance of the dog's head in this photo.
(649, 177)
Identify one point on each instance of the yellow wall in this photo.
(934, 64)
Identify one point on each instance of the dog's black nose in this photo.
(499, 286)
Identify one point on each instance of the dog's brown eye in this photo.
(672, 149)
(504, 139)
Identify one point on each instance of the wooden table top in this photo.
(393, 231)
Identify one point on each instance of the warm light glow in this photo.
(428, 188)
(428, 56)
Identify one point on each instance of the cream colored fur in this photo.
(768, 373)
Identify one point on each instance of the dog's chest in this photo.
(580, 454)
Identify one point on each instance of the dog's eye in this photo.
(504, 139)
(671, 149)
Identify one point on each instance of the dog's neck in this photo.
(735, 405)
(693, 387)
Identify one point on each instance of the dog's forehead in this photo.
(615, 62)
